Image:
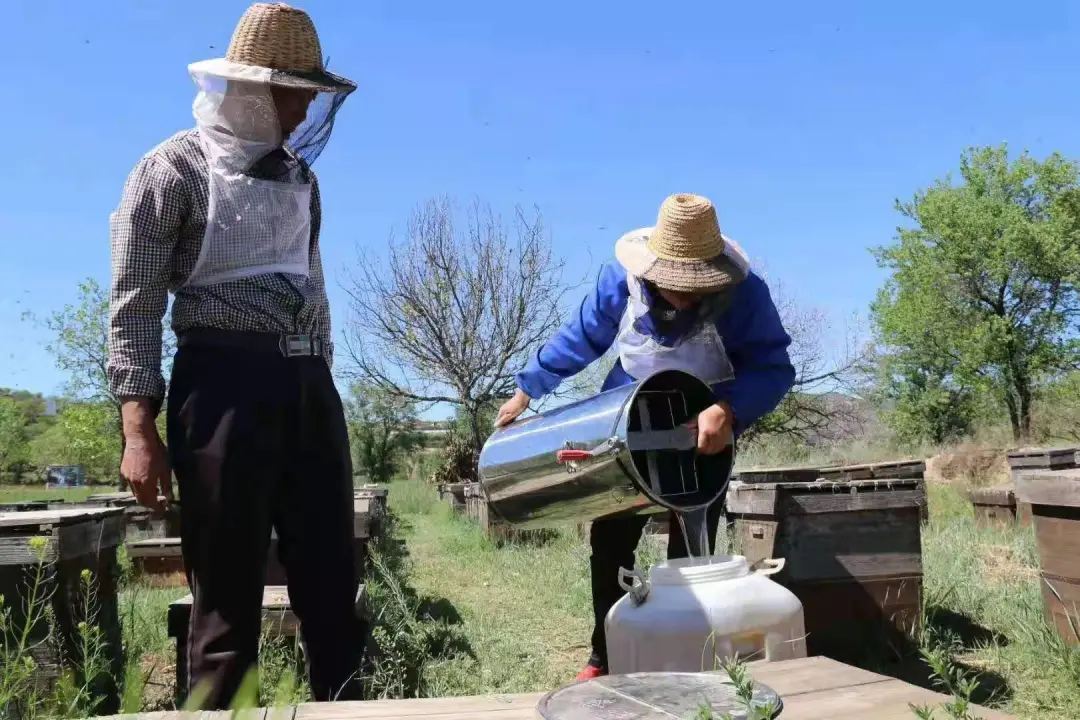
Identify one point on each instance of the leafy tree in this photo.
(13, 435)
(50, 447)
(982, 293)
(925, 400)
(80, 346)
(380, 430)
(92, 437)
(1057, 410)
(461, 424)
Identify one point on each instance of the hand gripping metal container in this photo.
(627, 450)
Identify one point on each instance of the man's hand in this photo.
(512, 408)
(145, 465)
(714, 427)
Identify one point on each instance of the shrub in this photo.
(461, 459)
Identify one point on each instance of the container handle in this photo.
(635, 584)
(570, 455)
(771, 566)
(565, 456)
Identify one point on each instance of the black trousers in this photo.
(613, 541)
(258, 440)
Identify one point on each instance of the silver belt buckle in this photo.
(296, 345)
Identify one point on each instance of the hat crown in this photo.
(276, 36)
(686, 229)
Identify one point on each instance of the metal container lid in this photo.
(652, 696)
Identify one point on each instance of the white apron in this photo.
(701, 353)
(253, 226)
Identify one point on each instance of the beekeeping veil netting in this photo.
(247, 114)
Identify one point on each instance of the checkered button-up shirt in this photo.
(157, 232)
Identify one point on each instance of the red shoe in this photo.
(590, 672)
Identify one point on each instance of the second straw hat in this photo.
(685, 251)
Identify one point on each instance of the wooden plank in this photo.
(1060, 488)
(888, 700)
(1042, 458)
(282, 713)
(35, 519)
(750, 500)
(794, 473)
(811, 674)
(997, 495)
(893, 469)
(502, 706)
(20, 546)
(813, 688)
(153, 546)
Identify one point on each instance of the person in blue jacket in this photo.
(681, 296)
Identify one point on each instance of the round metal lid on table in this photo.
(653, 696)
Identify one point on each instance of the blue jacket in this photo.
(754, 338)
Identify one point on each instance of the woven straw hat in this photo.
(276, 44)
(686, 251)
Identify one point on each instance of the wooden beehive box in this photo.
(476, 506)
(59, 545)
(853, 551)
(454, 493)
(375, 492)
(275, 570)
(888, 470)
(113, 499)
(996, 506)
(142, 522)
(1054, 498)
(25, 506)
(278, 620)
(793, 473)
(1037, 459)
(788, 473)
(369, 507)
(157, 561)
(1026, 460)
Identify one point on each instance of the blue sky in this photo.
(802, 121)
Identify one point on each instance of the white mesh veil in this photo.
(241, 110)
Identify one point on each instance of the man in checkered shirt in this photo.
(226, 216)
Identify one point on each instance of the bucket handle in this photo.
(771, 566)
(568, 456)
(635, 584)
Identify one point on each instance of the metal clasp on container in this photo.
(570, 456)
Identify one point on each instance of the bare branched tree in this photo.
(823, 405)
(451, 315)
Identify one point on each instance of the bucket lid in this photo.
(685, 571)
(652, 696)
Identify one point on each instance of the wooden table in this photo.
(812, 688)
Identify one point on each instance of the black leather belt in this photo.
(286, 345)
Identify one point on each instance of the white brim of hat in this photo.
(708, 275)
(318, 80)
